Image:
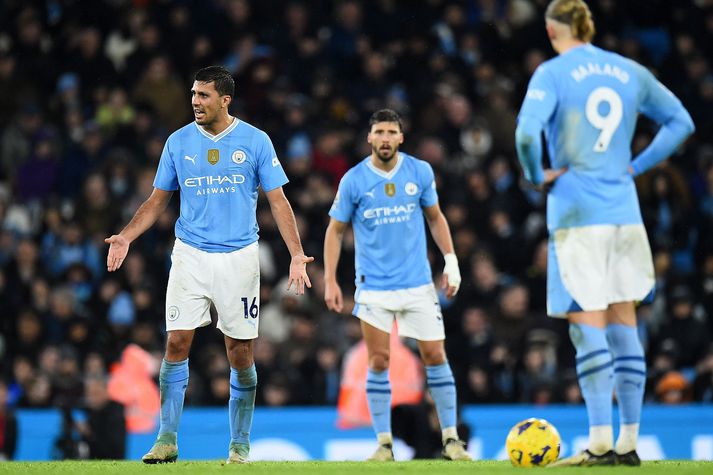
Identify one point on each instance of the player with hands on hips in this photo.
(587, 100)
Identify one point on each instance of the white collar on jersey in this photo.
(384, 174)
(215, 138)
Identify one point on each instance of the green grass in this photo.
(431, 467)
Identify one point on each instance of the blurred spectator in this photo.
(571, 393)
(17, 140)
(104, 430)
(685, 333)
(672, 388)
(277, 391)
(37, 176)
(328, 156)
(10, 87)
(159, 88)
(115, 113)
(22, 270)
(67, 388)
(479, 388)
(665, 207)
(469, 349)
(8, 425)
(417, 425)
(28, 338)
(512, 320)
(68, 245)
(132, 385)
(536, 379)
(275, 316)
(88, 61)
(96, 212)
(81, 158)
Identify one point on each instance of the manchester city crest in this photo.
(239, 157)
(173, 313)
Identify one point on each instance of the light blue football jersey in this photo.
(385, 210)
(218, 177)
(588, 100)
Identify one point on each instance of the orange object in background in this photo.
(405, 375)
(131, 383)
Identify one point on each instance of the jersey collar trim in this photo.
(215, 138)
(384, 174)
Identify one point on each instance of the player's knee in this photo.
(240, 354)
(177, 348)
(434, 357)
(379, 361)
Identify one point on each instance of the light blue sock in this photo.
(378, 396)
(443, 391)
(594, 371)
(629, 371)
(173, 381)
(242, 403)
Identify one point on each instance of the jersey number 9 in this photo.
(607, 124)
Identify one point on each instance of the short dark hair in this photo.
(386, 115)
(221, 77)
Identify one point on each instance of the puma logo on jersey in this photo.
(190, 159)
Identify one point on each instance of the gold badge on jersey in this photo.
(390, 189)
(213, 156)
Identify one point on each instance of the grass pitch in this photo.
(430, 467)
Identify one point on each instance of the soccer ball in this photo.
(533, 443)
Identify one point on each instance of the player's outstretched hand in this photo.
(118, 248)
(298, 274)
(333, 296)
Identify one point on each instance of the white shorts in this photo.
(416, 310)
(228, 280)
(590, 267)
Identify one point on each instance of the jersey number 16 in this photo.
(252, 310)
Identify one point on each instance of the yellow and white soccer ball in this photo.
(533, 443)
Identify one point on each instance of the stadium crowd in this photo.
(90, 90)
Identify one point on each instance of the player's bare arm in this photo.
(332, 250)
(143, 219)
(285, 218)
(442, 236)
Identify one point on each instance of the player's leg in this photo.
(631, 280)
(595, 375)
(378, 389)
(173, 381)
(236, 296)
(629, 377)
(422, 320)
(243, 383)
(577, 288)
(187, 308)
(442, 386)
